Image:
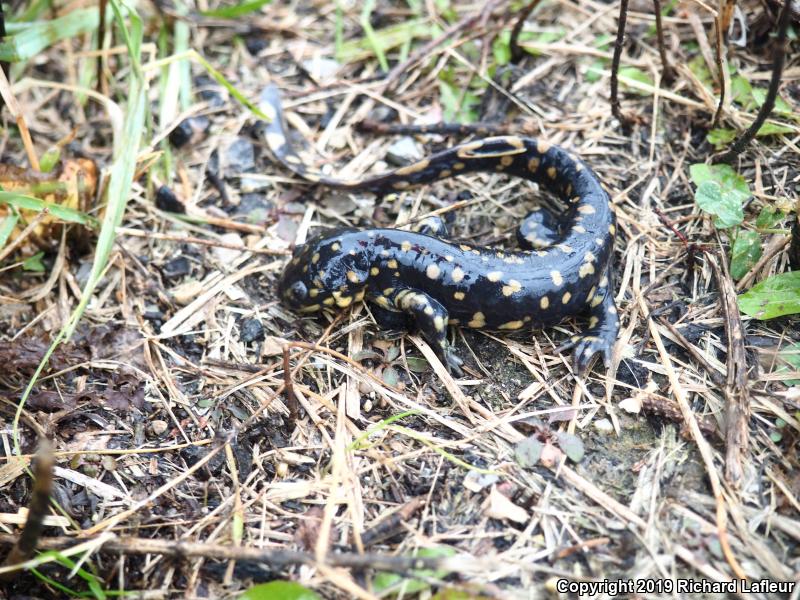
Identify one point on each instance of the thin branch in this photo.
(667, 74)
(618, 43)
(516, 52)
(778, 60)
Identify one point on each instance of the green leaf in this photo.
(49, 159)
(571, 445)
(742, 92)
(390, 376)
(384, 581)
(528, 452)
(388, 38)
(32, 38)
(773, 129)
(720, 137)
(720, 192)
(458, 105)
(791, 355)
(636, 75)
(6, 227)
(279, 590)
(745, 253)
(698, 66)
(237, 10)
(34, 263)
(769, 217)
(501, 48)
(774, 297)
(781, 106)
(595, 70)
(23, 202)
(417, 365)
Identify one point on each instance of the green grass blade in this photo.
(6, 227)
(23, 202)
(29, 39)
(237, 10)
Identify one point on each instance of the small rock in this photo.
(192, 129)
(252, 330)
(321, 68)
(239, 157)
(403, 151)
(227, 256)
(158, 427)
(604, 426)
(167, 201)
(176, 268)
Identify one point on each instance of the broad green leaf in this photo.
(745, 253)
(721, 191)
(742, 92)
(726, 209)
(636, 75)
(237, 10)
(769, 217)
(571, 445)
(773, 129)
(781, 106)
(774, 297)
(279, 590)
(384, 581)
(34, 263)
(388, 38)
(528, 452)
(417, 365)
(790, 354)
(698, 66)
(720, 137)
(23, 202)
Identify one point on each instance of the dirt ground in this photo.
(168, 410)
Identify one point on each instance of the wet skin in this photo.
(563, 269)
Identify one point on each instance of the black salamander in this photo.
(563, 269)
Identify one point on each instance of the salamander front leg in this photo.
(431, 320)
(602, 332)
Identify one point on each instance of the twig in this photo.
(25, 546)
(288, 387)
(721, 70)
(667, 74)
(769, 102)
(194, 240)
(516, 52)
(618, 43)
(737, 409)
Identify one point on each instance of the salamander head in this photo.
(329, 270)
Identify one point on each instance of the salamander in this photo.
(563, 268)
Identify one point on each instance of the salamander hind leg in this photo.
(431, 320)
(601, 335)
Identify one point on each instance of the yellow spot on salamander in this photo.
(604, 281)
(551, 172)
(512, 288)
(433, 271)
(458, 295)
(374, 271)
(494, 276)
(457, 275)
(392, 264)
(511, 325)
(360, 295)
(597, 300)
(445, 174)
(533, 165)
(405, 246)
(585, 270)
(438, 323)
(315, 258)
(506, 161)
(542, 146)
(313, 292)
(566, 298)
(401, 185)
(352, 276)
(413, 168)
(328, 301)
(335, 247)
(544, 302)
(593, 321)
(449, 258)
(478, 320)
(465, 248)
(586, 209)
(388, 291)
(458, 166)
(566, 248)
(557, 278)
(579, 229)
(428, 311)
(611, 229)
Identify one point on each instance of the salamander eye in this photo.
(297, 292)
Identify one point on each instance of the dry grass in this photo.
(171, 426)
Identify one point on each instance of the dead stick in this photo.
(667, 75)
(737, 409)
(25, 546)
(513, 44)
(618, 43)
(769, 102)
